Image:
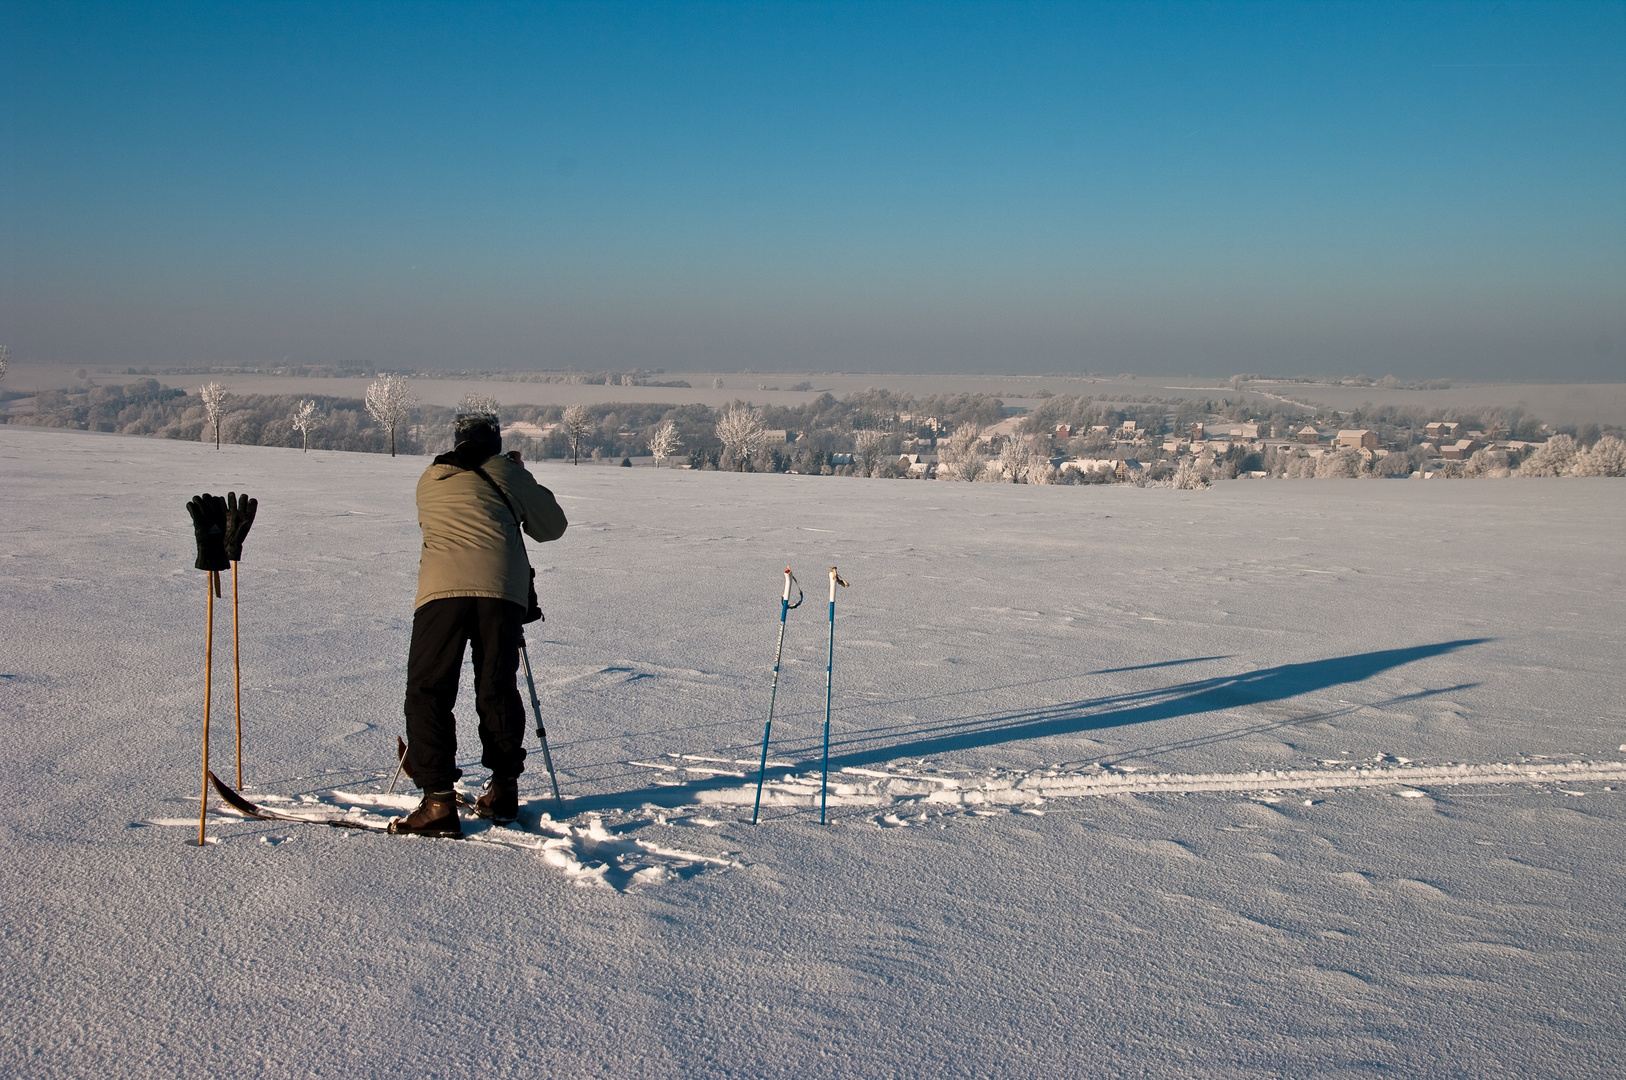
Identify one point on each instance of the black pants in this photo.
(439, 631)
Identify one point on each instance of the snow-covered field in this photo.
(1286, 778)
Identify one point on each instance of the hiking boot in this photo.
(436, 815)
(500, 802)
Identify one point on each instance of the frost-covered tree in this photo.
(479, 403)
(1021, 461)
(867, 448)
(390, 402)
(1012, 461)
(960, 457)
(305, 420)
(1339, 464)
(1606, 457)
(1299, 468)
(1553, 458)
(1486, 463)
(740, 429)
(5, 360)
(1037, 469)
(576, 422)
(214, 404)
(1189, 475)
(664, 441)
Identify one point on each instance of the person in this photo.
(475, 587)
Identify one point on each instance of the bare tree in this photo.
(214, 402)
(305, 420)
(576, 423)
(664, 441)
(867, 447)
(479, 403)
(390, 402)
(961, 457)
(740, 430)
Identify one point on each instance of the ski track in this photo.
(936, 794)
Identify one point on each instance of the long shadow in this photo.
(1121, 710)
(1073, 717)
(851, 707)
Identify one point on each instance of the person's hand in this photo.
(514, 456)
(239, 519)
(209, 529)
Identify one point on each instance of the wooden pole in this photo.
(237, 675)
(208, 687)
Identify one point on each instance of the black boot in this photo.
(500, 802)
(436, 815)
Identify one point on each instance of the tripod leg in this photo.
(237, 675)
(541, 732)
(208, 687)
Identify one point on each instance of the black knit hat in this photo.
(478, 428)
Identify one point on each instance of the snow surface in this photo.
(1285, 778)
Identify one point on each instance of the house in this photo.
(1243, 431)
(1307, 434)
(1461, 450)
(918, 466)
(1197, 433)
(1358, 438)
(1064, 431)
(529, 430)
(775, 437)
(1441, 430)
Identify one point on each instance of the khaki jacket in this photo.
(471, 543)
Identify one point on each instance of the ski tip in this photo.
(234, 799)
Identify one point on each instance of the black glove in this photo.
(239, 519)
(209, 527)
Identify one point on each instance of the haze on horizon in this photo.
(1424, 190)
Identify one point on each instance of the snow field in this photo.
(1101, 713)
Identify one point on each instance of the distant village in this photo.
(878, 433)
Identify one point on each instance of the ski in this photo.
(243, 806)
(238, 802)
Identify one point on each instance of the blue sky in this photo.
(1417, 189)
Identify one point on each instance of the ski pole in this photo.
(541, 732)
(208, 688)
(237, 674)
(829, 668)
(784, 609)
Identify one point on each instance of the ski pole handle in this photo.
(784, 600)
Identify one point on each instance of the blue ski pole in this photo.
(829, 669)
(784, 609)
